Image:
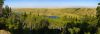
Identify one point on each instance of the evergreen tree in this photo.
(1, 1)
(98, 14)
(98, 17)
(6, 11)
(1, 4)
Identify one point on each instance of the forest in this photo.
(30, 23)
(50, 21)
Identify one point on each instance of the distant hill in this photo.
(58, 11)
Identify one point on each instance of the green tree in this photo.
(98, 17)
(1, 2)
(6, 11)
(98, 14)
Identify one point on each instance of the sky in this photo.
(51, 3)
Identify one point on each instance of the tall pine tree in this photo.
(98, 14)
(98, 17)
(1, 4)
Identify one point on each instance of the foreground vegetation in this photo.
(29, 23)
(51, 21)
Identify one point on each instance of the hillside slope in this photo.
(58, 11)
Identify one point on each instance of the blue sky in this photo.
(50, 3)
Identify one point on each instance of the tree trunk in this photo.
(0, 10)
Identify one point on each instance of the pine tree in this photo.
(98, 14)
(98, 17)
(1, 4)
(6, 11)
(1, 1)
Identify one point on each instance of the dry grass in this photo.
(58, 11)
(4, 32)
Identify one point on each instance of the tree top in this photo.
(98, 3)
